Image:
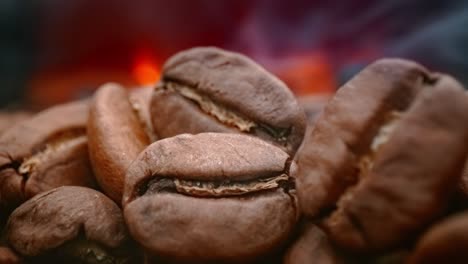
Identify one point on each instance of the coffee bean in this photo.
(116, 137)
(210, 197)
(386, 152)
(46, 151)
(345, 129)
(70, 224)
(380, 164)
(212, 90)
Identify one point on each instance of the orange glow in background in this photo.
(72, 47)
(145, 70)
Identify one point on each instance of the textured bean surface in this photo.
(52, 219)
(167, 215)
(116, 137)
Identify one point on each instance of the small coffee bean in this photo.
(116, 137)
(70, 224)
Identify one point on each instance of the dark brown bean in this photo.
(412, 175)
(345, 130)
(116, 137)
(70, 224)
(212, 90)
(210, 197)
(393, 158)
(43, 152)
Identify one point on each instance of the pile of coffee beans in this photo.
(217, 163)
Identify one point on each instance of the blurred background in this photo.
(53, 51)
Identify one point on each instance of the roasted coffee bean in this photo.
(7, 256)
(346, 127)
(116, 137)
(210, 197)
(46, 151)
(70, 224)
(445, 242)
(386, 152)
(211, 90)
(312, 246)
